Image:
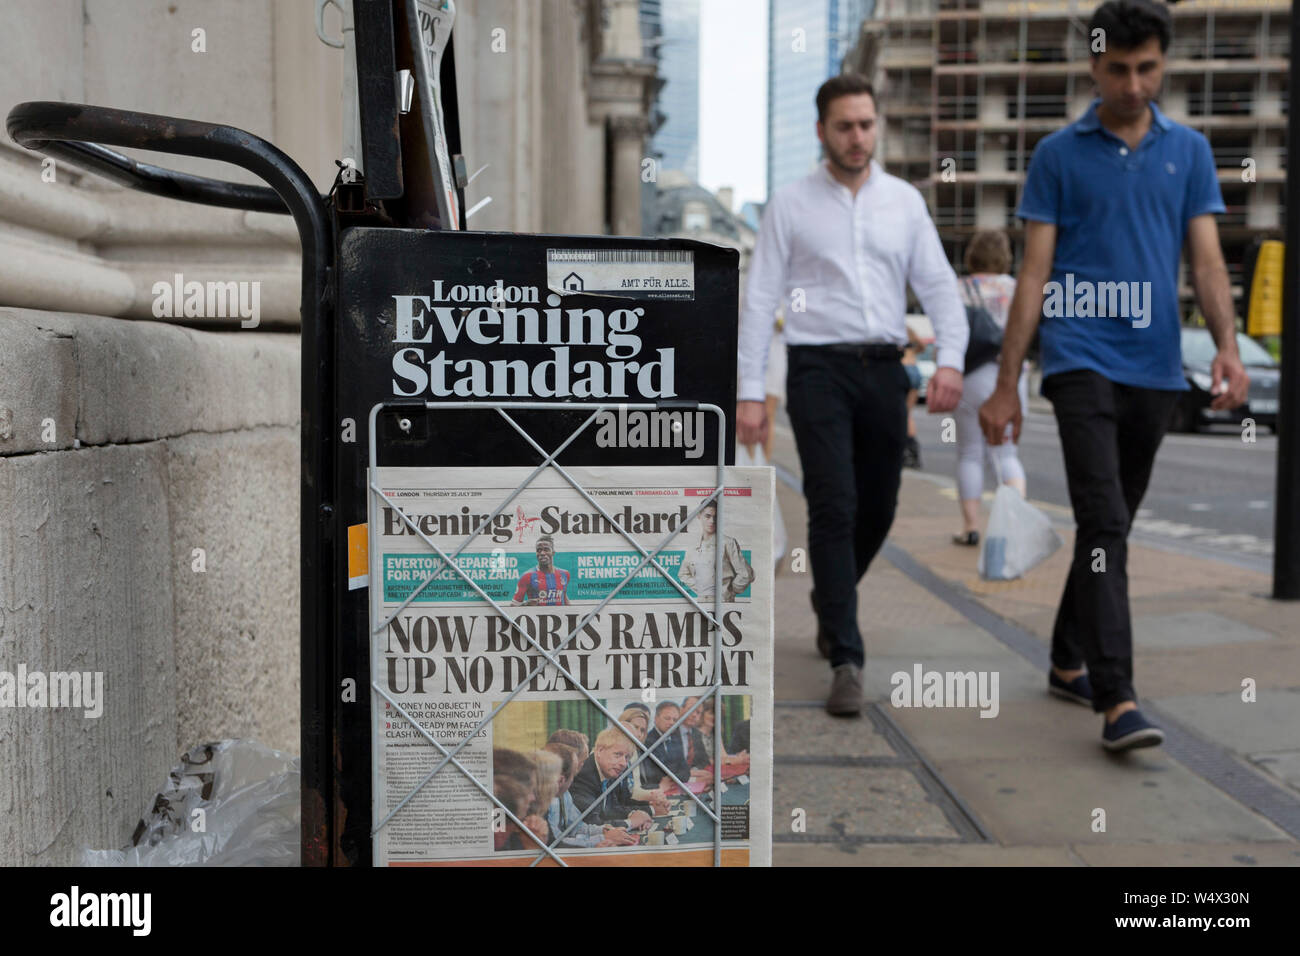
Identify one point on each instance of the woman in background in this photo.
(989, 283)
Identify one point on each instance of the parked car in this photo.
(1193, 412)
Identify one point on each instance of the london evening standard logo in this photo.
(549, 521)
(513, 318)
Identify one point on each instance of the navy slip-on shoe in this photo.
(1078, 690)
(1129, 731)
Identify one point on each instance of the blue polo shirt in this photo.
(1121, 218)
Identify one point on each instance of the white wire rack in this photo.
(378, 622)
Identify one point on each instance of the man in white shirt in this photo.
(840, 247)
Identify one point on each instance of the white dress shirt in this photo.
(841, 265)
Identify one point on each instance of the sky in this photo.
(733, 97)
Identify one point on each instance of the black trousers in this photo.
(850, 423)
(1109, 435)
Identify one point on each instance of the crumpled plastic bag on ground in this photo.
(1019, 538)
(247, 798)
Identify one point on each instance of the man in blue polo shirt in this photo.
(1109, 203)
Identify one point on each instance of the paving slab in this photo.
(920, 854)
(1285, 853)
(1044, 728)
(840, 802)
(1250, 608)
(802, 675)
(1284, 765)
(887, 599)
(1148, 798)
(1192, 629)
(1256, 606)
(1017, 679)
(1269, 723)
(811, 732)
(799, 672)
(959, 639)
(1175, 672)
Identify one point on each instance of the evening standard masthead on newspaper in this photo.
(501, 687)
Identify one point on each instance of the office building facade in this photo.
(807, 43)
(969, 87)
(670, 30)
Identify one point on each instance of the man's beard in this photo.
(837, 159)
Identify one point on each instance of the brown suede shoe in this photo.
(845, 699)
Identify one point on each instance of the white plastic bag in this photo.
(1019, 537)
(230, 803)
(743, 458)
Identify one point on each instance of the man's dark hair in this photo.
(568, 755)
(846, 84)
(1127, 24)
(573, 738)
(664, 705)
(513, 764)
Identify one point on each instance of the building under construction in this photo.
(968, 88)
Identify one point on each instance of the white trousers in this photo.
(972, 449)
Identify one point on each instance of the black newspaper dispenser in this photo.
(402, 343)
(384, 323)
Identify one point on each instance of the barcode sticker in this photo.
(620, 255)
(629, 273)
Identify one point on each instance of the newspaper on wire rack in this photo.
(486, 747)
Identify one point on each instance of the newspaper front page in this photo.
(565, 766)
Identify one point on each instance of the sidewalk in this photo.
(936, 786)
